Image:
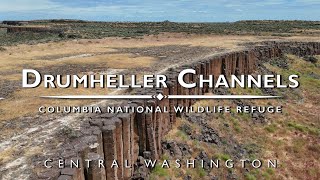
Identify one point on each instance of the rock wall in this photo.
(15, 23)
(125, 137)
(32, 29)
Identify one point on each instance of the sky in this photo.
(161, 10)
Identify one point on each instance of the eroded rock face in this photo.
(188, 177)
(311, 59)
(198, 118)
(186, 129)
(141, 171)
(132, 136)
(176, 150)
(172, 148)
(209, 135)
(259, 117)
(206, 160)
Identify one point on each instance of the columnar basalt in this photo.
(125, 136)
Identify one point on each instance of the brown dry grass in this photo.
(15, 58)
(293, 136)
(27, 101)
(6, 155)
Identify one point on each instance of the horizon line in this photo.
(169, 21)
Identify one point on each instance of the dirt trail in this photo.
(38, 134)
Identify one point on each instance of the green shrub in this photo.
(271, 128)
(304, 128)
(249, 176)
(201, 172)
(159, 171)
(223, 156)
(182, 135)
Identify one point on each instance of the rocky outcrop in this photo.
(15, 23)
(32, 29)
(133, 136)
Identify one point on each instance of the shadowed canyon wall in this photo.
(126, 136)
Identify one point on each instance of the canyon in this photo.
(129, 136)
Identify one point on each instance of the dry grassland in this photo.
(89, 56)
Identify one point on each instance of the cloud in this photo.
(152, 10)
(26, 5)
